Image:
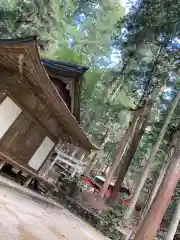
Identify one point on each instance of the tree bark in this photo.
(129, 156)
(156, 187)
(122, 146)
(151, 159)
(174, 223)
(152, 220)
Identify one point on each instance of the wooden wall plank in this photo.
(32, 141)
(22, 139)
(36, 109)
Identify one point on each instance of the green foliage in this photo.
(98, 27)
(21, 18)
(110, 222)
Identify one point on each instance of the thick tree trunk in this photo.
(156, 187)
(151, 159)
(152, 220)
(129, 156)
(174, 223)
(122, 146)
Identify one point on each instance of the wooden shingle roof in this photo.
(24, 51)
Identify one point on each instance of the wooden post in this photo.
(77, 165)
(2, 164)
(27, 182)
(75, 151)
(152, 220)
(48, 193)
(51, 165)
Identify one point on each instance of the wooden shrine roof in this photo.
(22, 55)
(66, 69)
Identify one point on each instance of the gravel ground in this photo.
(24, 217)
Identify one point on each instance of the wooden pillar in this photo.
(51, 166)
(77, 165)
(27, 182)
(149, 226)
(2, 164)
(75, 151)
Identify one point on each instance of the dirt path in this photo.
(23, 218)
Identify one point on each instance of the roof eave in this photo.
(29, 45)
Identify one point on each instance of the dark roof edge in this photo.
(84, 68)
(19, 40)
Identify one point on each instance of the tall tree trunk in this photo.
(174, 223)
(151, 159)
(113, 94)
(156, 187)
(129, 156)
(123, 143)
(149, 226)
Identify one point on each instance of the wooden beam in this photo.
(8, 86)
(11, 161)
